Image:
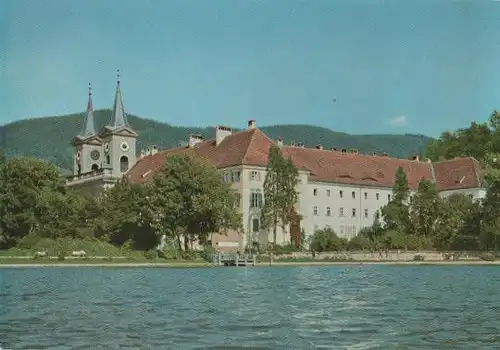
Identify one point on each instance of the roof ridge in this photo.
(252, 133)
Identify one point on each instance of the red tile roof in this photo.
(251, 147)
(458, 173)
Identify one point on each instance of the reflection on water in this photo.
(347, 307)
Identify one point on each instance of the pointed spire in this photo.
(88, 128)
(118, 116)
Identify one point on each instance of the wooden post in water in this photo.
(246, 259)
(270, 258)
(253, 260)
(219, 259)
(237, 259)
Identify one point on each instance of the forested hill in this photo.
(49, 137)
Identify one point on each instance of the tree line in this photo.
(186, 201)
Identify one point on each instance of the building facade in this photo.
(337, 189)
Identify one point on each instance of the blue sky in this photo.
(394, 66)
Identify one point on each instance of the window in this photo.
(377, 196)
(256, 200)
(108, 159)
(389, 197)
(236, 176)
(328, 193)
(341, 194)
(226, 177)
(315, 192)
(366, 195)
(328, 211)
(353, 212)
(237, 200)
(123, 164)
(315, 210)
(255, 225)
(353, 194)
(341, 212)
(366, 213)
(255, 176)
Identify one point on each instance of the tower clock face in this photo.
(124, 146)
(94, 154)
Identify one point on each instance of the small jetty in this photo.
(233, 259)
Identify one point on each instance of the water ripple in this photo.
(358, 307)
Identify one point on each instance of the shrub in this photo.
(150, 254)
(327, 240)
(359, 242)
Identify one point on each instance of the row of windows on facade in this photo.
(235, 176)
(346, 231)
(341, 212)
(353, 194)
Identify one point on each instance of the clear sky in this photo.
(398, 66)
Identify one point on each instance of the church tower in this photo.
(88, 146)
(118, 139)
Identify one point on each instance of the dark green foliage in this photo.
(326, 240)
(280, 193)
(49, 138)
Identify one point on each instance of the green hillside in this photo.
(49, 137)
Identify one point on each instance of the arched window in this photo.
(123, 164)
(95, 167)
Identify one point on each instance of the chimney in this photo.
(221, 132)
(300, 144)
(344, 150)
(354, 150)
(319, 146)
(154, 150)
(333, 148)
(416, 158)
(279, 141)
(374, 154)
(251, 124)
(148, 151)
(143, 153)
(385, 154)
(194, 139)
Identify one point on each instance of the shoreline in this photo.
(196, 264)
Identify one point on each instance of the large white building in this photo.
(339, 189)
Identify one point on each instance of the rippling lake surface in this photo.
(341, 307)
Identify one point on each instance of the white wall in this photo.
(475, 193)
(344, 224)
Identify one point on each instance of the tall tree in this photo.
(425, 209)
(396, 212)
(192, 200)
(126, 216)
(490, 225)
(21, 181)
(280, 191)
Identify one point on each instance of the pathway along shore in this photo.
(262, 264)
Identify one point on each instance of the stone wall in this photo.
(392, 255)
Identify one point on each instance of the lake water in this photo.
(341, 307)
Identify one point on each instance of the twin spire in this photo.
(118, 116)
